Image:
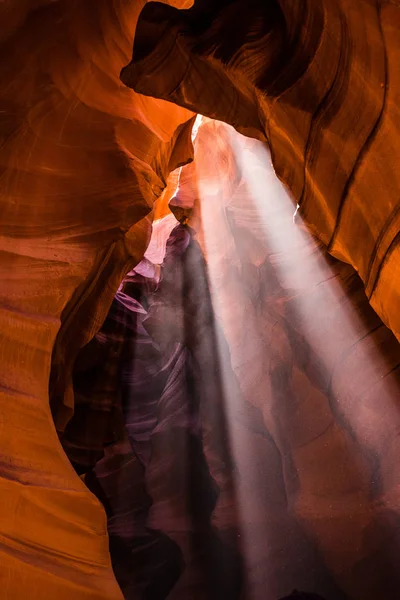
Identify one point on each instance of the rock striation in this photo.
(82, 161)
(318, 81)
(86, 162)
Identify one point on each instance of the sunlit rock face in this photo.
(84, 162)
(82, 159)
(320, 82)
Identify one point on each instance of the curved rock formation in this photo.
(82, 159)
(311, 405)
(319, 81)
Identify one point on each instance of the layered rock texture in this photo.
(83, 159)
(234, 404)
(319, 81)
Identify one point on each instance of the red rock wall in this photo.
(319, 81)
(82, 160)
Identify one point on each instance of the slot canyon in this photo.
(200, 300)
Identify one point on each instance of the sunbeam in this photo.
(258, 394)
(304, 354)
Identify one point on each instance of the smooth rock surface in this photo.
(82, 160)
(320, 82)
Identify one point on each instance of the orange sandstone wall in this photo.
(320, 82)
(82, 160)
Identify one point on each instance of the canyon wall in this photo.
(83, 159)
(320, 82)
(279, 412)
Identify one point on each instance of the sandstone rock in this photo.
(320, 83)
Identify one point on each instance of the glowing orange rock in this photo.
(83, 159)
(295, 74)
